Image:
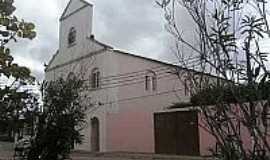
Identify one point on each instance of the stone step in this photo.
(81, 155)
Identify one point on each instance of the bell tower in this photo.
(75, 25)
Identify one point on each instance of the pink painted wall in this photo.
(130, 130)
(207, 141)
(131, 126)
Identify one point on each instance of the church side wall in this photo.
(131, 127)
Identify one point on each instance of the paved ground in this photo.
(6, 150)
(113, 156)
(7, 154)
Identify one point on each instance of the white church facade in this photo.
(125, 91)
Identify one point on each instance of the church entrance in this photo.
(95, 135)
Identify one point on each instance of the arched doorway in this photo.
(95, 135)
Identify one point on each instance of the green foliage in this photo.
(12, 101)
(13, 105)
(60, 124)
(11, 29)
(231, 94)
(12, 26)
(227, 44)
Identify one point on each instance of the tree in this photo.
(228, 35)
(12, 99)
(59, 126)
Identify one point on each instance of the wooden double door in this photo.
(177, 133)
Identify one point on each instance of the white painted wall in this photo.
(105, 63)
(111, 63)
(79, 15)
(82, 21)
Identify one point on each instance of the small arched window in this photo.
(95, 78)
(150, 81)
(72, 36)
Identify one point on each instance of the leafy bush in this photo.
(59, 125)
(231, 94)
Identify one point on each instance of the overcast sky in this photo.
(136, 26)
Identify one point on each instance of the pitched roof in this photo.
(91, 38)
(105, 46)
(145, 58)
(85, 2)
(51, 60)
(167, 64)
(69, 3)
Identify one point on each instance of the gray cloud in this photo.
(136, 26)
(33, 54)
(129, 24)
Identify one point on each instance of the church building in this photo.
(128, 95)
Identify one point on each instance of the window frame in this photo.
(72, 36)
(95, 78)
(150, 81)
(147, 82)
(154, 82)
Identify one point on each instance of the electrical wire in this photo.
(140, 97)
(126, 84)
(140, 72)
(130, 76)
(165, 72)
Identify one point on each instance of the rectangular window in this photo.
(186, 88)
(154, 83)
(147, 82)
(93, 80)
(97, 79)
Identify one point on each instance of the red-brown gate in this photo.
(177, 133)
